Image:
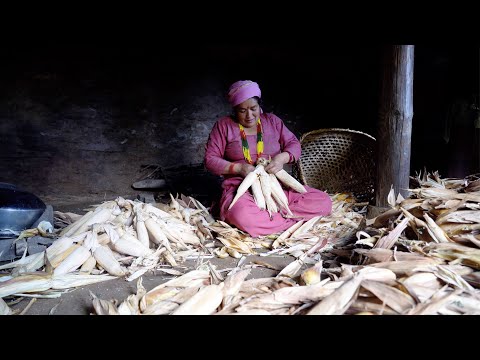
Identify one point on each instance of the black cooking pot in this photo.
(18, 209)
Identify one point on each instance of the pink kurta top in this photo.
(224, 146)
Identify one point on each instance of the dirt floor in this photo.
(79, 301)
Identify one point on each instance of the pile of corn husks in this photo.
(120, 238)
(420, 257)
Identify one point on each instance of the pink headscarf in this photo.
(242, 90)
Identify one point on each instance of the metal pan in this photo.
(18, 210)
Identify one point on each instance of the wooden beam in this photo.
(395, 122)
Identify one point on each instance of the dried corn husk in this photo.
(36, 261)
(88, 265)
(394, 298)
(26, 283)
(338, 302)
(204, 302)
(4, 309)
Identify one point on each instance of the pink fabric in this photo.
(224, 146)
(247, 216)
(242, 90)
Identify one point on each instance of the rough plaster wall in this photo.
(79, 125)
(98, 147)
(82, 122)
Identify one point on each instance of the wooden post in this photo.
(395, 123)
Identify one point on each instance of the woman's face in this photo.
(248, 112)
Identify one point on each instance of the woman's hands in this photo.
(277, 162)
(244, 169)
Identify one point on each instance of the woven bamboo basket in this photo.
(338, 160)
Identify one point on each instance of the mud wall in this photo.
(81, 120)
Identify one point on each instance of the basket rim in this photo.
(333, 130)
(319, 131)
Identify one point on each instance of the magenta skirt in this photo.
(246, 215)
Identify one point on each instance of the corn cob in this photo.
(69, 280)
(142, 233)
(167, 255)
(290, 181)
(170, 233)
(98, 217)
(245, 184)
(73, 261)
(267, 192)
(70, 229)
(287, 233)
(156, 233)
(125, 245)
(123, 218)
(104, 256)
(278, 194)
(58, 259)
(129, 245)
(161, 214)
(258, 194)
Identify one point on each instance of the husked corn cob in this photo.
(245, 185)
(169, 258)
(267, 191)
(258, 194)
(174, 234)
(104, 256)
(125, 245)
(279, 195)
(98, 217)
(287, 233)
(141, 228)
(58, 259)
(148, 208)
(290, 181)
(72, 228)
(155, 232)
(73, 261)
(233, 253)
